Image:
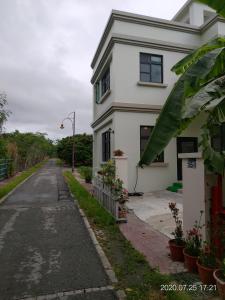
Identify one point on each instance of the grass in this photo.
(8, 187)
(135, 276)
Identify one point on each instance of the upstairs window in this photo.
(105, 82)
(97, 92)
(106, 148)
(151, 68)
(145, 133)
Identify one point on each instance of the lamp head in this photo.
(61, 126)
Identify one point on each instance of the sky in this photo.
(46, 48)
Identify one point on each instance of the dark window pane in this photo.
(145, 58)
(97, 92)
(106, 148)
(156, 73)
(156, 59)
(145, 132)
(145, 77)
(145, 68)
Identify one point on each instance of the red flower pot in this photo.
(206, 274)
(176, 251)
(220, 283)
(190, 262)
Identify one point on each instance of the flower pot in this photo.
(190, 262)
(176, 251)
(220, 283)
(206, 274)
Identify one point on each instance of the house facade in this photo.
(132, 79)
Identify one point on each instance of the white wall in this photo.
(126, 61)
(127, 138)
(196, 12)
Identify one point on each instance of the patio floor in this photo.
(153, 209)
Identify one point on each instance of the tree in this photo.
(201, 87)
(4, 113)
(83, 149)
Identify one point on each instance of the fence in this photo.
(108, 200)
(4, 168)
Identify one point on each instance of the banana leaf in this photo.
(209, 96)
(170, 122)
(193, 57)
(218, 5)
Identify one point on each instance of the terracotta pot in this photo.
(220, 283)
(206, 274)
(176, 251)
(190, 262)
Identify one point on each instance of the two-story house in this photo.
(132, 79)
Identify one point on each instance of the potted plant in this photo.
(193, 246)
(118, 152)
(87, 172)
(219, 276)
(206, 264)
(177, 244)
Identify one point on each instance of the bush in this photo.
(86, 173)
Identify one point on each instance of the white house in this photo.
(131, 81)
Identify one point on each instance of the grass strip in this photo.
(8, 187)
(135, 276)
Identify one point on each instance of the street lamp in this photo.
(71, 118)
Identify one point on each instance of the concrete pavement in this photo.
(45, 249)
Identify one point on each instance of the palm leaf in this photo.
(170, 120)
(218, 5)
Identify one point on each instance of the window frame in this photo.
(106, 146)
(161, 157)
(105, 81)
(150, 64)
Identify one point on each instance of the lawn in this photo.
(13, 182)
(135, 276)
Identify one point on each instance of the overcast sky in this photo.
(46, 47)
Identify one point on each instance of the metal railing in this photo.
(103, 193)
(4, 168)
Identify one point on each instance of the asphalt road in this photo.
(45, 248)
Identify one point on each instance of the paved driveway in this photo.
(45, 249)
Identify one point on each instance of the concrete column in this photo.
(121, 163)
(194, 191)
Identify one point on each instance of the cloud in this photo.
(46, 48)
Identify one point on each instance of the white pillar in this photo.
(121, 163)
(196, 191)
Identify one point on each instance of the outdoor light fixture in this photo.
(72, 120)
(110, 130)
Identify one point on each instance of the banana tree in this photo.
(201, 87)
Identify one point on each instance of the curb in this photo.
(15, 188)
(105, 262)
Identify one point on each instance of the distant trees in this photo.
(4, 113)
(25, 149)
(83, 149)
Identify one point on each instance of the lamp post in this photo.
(71, 118)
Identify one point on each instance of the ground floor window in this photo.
(145, 132)
(218, 138)
(106, 149)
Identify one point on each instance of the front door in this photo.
(185, 145)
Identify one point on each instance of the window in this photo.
(106, 146)
(97, 92)
(106, 82)
(151, 68)
(218, 138)
(145, 133)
